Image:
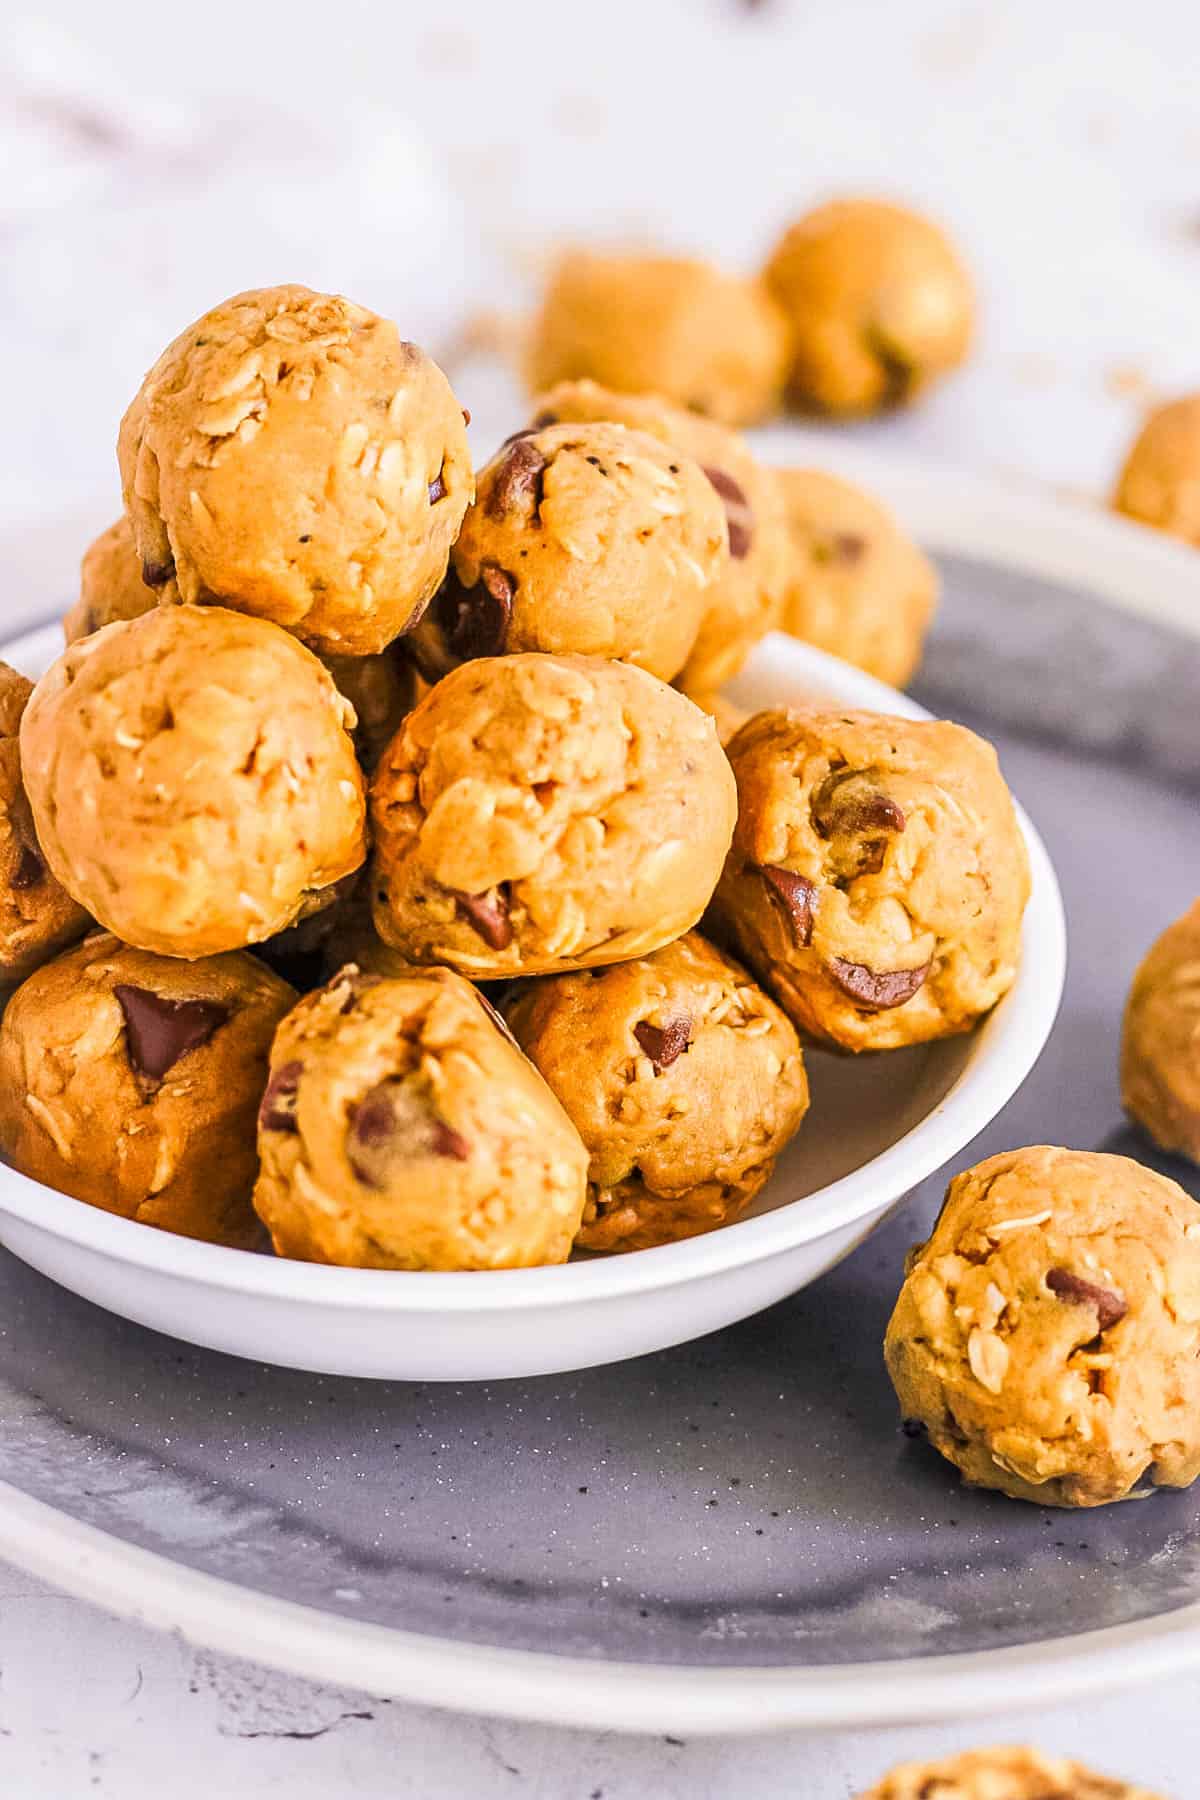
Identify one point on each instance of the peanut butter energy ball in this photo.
(37, 916)
(684, 1081)
(878, 301)
(402, 1129)
(192, 779)
(1160, 1045)
(132, 1081)
(662, 325)
(1160, 482)
(291, 456)
(543, 813)
(744, 601)
(584, 539)
(858, 586)
(110, 584)
(1048, 1335)
(877, 877)
(1002, 1774)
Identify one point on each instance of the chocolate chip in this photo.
(30, 871)
(739, 514)
(913, 1428)
(278, 1109)
(847, 547)
(899, 377)
(394, 1124)
(663, 1044)
(474, 620)
(437, 489)
(849, 801)
(796, 895)
(877, 989)
(517, 482)
(1109, 1306)
(487, 913)
(159, 1031)
(157, 574)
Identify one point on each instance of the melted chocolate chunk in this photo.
(278, 1109)
(876, 989)
(517, 487)
(1109, 1306)
(796, 896)
(739, 514)
(437, 490)
(487, 914)
(664, 1044)
(474, 621)
(848, 801)
(159, 1031)
(847, 547)
(30, 871)
(394, 1124)
(157, 574)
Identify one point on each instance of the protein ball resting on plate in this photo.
(1047, 1337)
(192, 779)
(132, 1081)
(685, 1081)
(1006, 1773)
(583, 540)
(1160, 1043)
(661, 325)
(37, 916)
(1159, 484)
(110, 584)
(877, 877)
(402, 1129)
(745, 600)
(857, 585)
(290, 455)
(878, 301)
(542, 813)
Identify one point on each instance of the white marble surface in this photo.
(424, 160)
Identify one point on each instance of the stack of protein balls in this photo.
(345, 736)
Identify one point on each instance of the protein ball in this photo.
(878, 301)
(132, 1081)
(290, 455)
(583, 540)
(878, 875)
(402, 1129)
(1047, 1336)
(542, 813)
(192, 779)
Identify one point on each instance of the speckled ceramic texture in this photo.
(747, 1499)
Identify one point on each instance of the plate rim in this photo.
(586, 1693)
(1011, 528)
(1004, 1050)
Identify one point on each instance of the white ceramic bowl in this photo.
(877, 1127)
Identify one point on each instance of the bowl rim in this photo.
(1003, 1050)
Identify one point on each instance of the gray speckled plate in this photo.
(732, 1534)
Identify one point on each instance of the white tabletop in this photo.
(425, 160)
